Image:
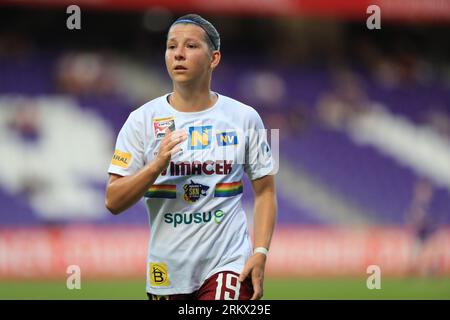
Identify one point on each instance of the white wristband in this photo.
(262, 250)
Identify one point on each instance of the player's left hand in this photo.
(254, 267)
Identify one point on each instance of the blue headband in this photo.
(197, 24)
(186, 20)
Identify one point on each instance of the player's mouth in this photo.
(180, 68)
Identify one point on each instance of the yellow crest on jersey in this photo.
(159, 276)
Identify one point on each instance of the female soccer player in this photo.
(185, 153)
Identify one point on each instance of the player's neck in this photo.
(187, 99)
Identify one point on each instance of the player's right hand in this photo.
(168, 147)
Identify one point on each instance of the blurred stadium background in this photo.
(364, 119)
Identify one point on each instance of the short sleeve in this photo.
(258, 155)
(128, 156)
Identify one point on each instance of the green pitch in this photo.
(420, 288)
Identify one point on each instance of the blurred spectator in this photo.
(14, 45)
(420, 220)
(84, 74)
(266, 89)
(25, 121)
(346, 100)
(298, 119)
(26, 124)
(439, 120)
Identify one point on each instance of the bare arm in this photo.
(264, 221)
(265, 211)
(123, 192)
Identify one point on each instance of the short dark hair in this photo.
(213, 37)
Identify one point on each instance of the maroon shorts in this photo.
(220, 286)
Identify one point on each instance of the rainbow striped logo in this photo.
(228, 189)
(168, 191)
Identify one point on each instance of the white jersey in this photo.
(198, 225)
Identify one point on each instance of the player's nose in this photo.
(179, 57)
(179, 54)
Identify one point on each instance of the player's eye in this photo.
(171, 46)
(192, 45)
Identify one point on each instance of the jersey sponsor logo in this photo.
(179, 218)
(159, 276)
(121, 159)
(227, 138)
(193, 191)
(218, 216)
(208, 167)
(161, 124)
(199, 138)
(168, 191)
(228, 189)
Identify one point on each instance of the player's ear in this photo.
(215, 59)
